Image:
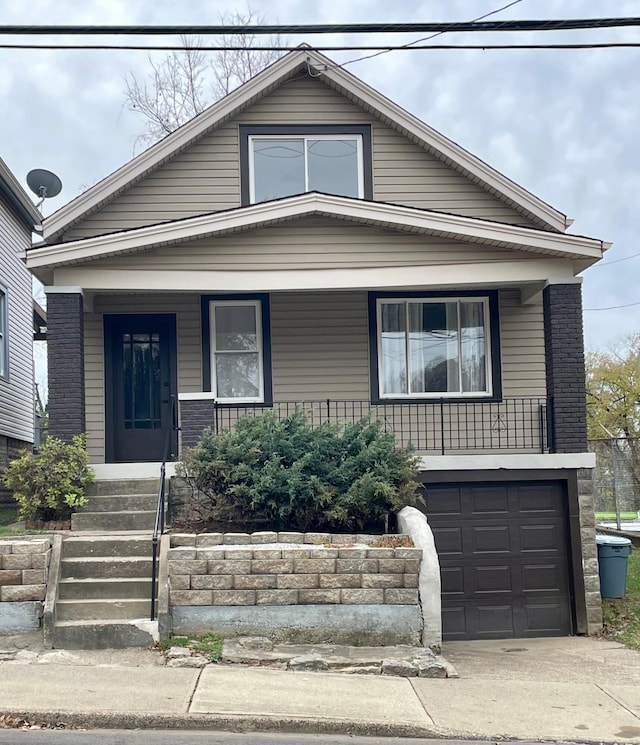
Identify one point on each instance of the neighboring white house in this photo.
(18, 216)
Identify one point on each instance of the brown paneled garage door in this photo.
(504, 558)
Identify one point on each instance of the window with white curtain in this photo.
(433, 347)
(4, 334)
(237, 369)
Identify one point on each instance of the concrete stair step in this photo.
(121, 503)
(117, 521)
(116, 545)
(110, 487)
(104, 589)
(113, 633)
(106, 567)
(94, 610)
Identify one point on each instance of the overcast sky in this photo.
(563, 124)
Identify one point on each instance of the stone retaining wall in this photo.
(24, 566)
(24, 571)
(208, 570)
(311, 587)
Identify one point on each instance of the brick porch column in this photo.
(65, 347)
(564, 356)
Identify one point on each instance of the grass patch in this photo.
(622, 615)
(210, 645)
(612, 515)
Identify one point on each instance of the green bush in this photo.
(51, 484)
(286, 474)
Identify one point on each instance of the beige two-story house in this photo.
(307, 242)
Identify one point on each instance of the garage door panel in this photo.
(490, 539)
(504, 559)
(545, 577)
(492, 579)
(546, 619)
(546, 538)
(487, 500)
(538, 498)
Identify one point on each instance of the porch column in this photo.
(65, 352)
(564, 356)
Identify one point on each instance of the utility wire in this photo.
(414, 44)
(338, 48)
(614, 307)
(617, 261)
(324, 28)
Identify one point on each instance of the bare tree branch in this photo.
(184, 83)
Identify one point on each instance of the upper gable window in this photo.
(287, 160)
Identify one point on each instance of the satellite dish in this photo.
(44, 184)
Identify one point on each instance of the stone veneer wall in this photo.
(586, 504)
(24, 567)
(232, 569)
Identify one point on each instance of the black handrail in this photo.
(158, 528)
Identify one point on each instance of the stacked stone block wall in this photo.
(24, 568)
(589, 551)
(241, 569)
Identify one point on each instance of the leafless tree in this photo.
(184, 83)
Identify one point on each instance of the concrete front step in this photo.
(122, 503)
(104, 567)
(110, 487)
(102, 634)
(118, 521)
(104, 589)
(116, 545)
(94, 610)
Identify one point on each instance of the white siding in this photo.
(206, 176)
(16, 393)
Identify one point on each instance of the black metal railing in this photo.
(159, 524)
(435, 426)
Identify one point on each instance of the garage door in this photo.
(504, 559)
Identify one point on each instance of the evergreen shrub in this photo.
(276, 474)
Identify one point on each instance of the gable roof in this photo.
(17, 197)
(378, 214)
(344, 82)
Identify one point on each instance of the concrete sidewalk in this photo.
(571, 689)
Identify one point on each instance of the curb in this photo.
(235, 723)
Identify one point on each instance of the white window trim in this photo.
(440, 394)
(305, 138)
(4, 333)
(257, 305)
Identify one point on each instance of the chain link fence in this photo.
(616, 481)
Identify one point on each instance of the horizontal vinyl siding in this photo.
(206, 176)
(309, 243)
(16, 393)
(320, 346)
(187, 310)
(522, 341)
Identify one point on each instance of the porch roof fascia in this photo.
(379, 214)
(344, 82)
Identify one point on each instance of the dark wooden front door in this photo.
(504, 558)
(140, 369)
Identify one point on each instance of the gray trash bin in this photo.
(613, 553)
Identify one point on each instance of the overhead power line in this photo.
(614, 307)
(325, 28)
(322, 48)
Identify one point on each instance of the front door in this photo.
(140, 372)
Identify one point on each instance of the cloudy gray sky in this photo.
(563, 124)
